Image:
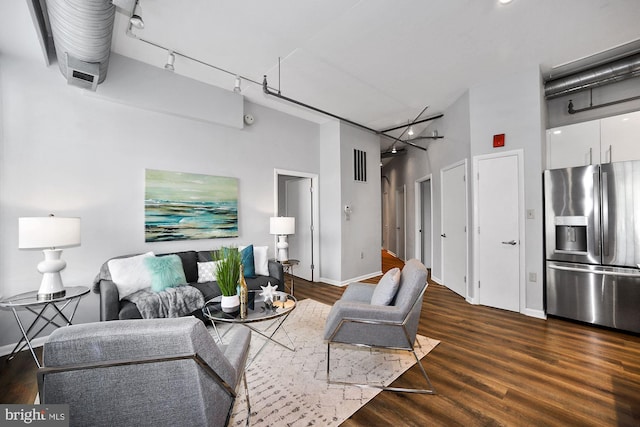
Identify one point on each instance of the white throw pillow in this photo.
(261, 260)
(130, 274)
(207, 271)
(386, 288)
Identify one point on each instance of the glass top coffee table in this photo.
(258, 311)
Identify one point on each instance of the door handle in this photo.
(511, 242)
(443, 235)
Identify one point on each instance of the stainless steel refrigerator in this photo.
(592, 228)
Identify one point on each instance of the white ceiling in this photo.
(376, 62)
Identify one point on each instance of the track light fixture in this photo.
(410, 131)
(136, 21)
(171, 59)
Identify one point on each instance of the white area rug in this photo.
(290, 388)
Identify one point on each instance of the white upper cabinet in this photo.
(573, 145)
(612, 139)
(620, 138)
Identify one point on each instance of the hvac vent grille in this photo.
(359, 165)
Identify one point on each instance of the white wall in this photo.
(350, 249)
(330, 201)
(360, 234)
(405, 170)
(67, 153)
(513, 105)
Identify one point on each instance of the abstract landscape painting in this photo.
(185, 206)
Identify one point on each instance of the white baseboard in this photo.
(6, 350)
(346, 282)
(436, 280)
(540, 314)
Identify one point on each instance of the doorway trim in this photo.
(315, 212)
(521, 229)
(418, 216)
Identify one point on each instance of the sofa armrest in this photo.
(276, 271)
(109, 300)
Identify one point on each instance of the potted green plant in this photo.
(228, 261)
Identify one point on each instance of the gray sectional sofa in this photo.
(112, 307)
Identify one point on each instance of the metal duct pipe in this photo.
(82, 31)
(601, 75)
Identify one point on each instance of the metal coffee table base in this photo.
(268, 338)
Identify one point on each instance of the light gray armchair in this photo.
(159, 372)
(354, 320)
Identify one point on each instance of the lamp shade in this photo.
(48, 232)
(282, 225)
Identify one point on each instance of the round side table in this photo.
(287, 266)
(29, 301)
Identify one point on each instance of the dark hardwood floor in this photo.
(492, 367)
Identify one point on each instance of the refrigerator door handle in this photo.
(605, 213)
(600, 272)
(596, 214)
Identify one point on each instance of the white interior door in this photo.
(298, 201)
(499, 240)
(454, 228)
(426, 223)
(400, 222)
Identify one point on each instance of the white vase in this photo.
(230, 304)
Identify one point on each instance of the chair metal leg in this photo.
(429, 390)
(246, 395)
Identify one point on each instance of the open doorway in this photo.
(401, 211)
(296, 195)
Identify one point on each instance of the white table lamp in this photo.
(282, 226)
(49, 233)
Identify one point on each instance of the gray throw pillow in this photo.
(386, 288)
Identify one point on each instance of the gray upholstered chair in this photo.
(354, 320)
(159, 372)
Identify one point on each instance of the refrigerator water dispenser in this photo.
(571, 234)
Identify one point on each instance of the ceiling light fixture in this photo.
(393, 150)
(171, 59)
(504, 1)
(236, 87)
(410, 131)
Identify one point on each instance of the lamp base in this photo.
(51, 286)
(51, 296)
(283, 248)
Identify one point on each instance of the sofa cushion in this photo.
(130, 274)
(207, 271)
(189, 264)
(386, 288)
(205, 256)
(248, 265)
(261, 260)
(166, 272)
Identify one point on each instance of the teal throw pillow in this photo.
(247, 262)
(166, 272)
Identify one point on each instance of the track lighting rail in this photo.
(266, 89)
